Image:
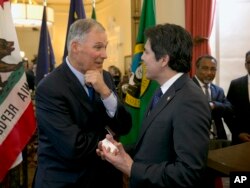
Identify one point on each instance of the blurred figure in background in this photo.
(239, 95)
(34, 61)
(221, 108)
(30, 75)
(116, 74)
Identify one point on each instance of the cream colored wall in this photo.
(59, 30)
(231, 40)
(28, 39)
(171, 11)
(116, 18)
(114, 15)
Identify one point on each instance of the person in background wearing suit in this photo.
(221, 108)
(30, 76)
(172, 146)
(71, 121)
(239, 95)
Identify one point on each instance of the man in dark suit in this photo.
(172, 147)
(239, 95)
(75, 104)
(221, 108)
(30, 76)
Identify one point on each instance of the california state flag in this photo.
(17, 120)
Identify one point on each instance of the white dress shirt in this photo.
(110, 102)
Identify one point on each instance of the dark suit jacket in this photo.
(222, 109)
(30, 79)
(70, 127)
(238, 96)
(173, 143)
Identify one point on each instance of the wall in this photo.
(170, 11)
(114, 15)
(229, 43)
(28, 39)
(231, 40)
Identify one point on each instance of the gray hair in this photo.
(80, 28)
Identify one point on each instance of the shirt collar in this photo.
(169, 82)
(200, 82)
(77, 73)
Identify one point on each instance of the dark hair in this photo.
(247, 54)
(174, 41)
(115, 71)
(198, 61)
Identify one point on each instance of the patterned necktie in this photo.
(90, 92)
(206, 92)
(156, 98)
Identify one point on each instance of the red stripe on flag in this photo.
(17, 140)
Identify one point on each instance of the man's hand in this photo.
(245, 137)
(95, 79)
(119, 158)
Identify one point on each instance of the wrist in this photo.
(106, 93)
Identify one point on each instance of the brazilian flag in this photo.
(140, 89)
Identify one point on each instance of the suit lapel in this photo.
(213, 92)
(76, 88)
(244, 87)
(150, 116)
(162, 104)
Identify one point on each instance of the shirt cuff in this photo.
(110, 104)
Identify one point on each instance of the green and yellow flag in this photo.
(93, 14)
(140, 89)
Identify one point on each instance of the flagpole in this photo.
(93, 15)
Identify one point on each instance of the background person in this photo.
(71, 121)
(172, 147)
(30, 76)
(239, 95)
(116, 74)
(221, 108)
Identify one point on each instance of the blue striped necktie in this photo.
(90, 92)
(156, 98)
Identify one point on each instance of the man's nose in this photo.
(104, 54)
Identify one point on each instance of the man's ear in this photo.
(74, 46)
(165, 60)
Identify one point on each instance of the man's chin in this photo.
(207, 81)
(100, 69)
